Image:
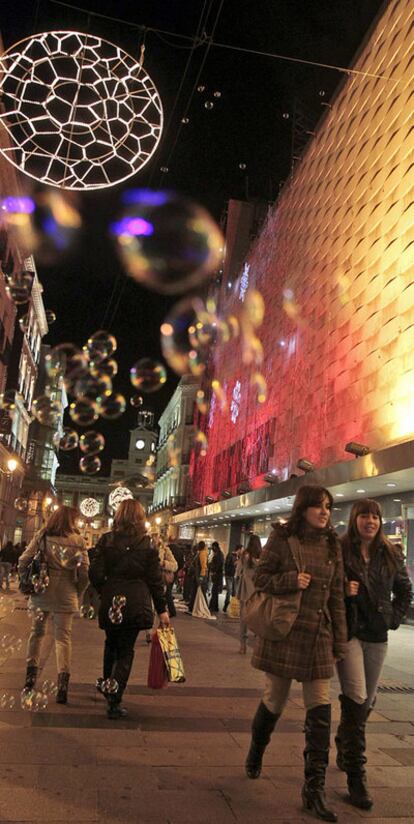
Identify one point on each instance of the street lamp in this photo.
(12, 464)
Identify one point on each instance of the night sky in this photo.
(88, 289)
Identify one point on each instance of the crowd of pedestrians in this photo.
(338, 597)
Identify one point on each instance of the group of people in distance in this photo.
(350, 593)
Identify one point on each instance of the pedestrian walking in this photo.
(126, 567)
(301, 566)
(169, 567)
(66, 562)
(378, 593)
(246, 569)
(216, 575)
(198, 572)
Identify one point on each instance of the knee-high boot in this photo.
(316, 755)
(338, 737)
(353, 751)
(263, 725)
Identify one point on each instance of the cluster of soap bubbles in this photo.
(109, 686)
(10, 645)
(208, 104)
(7, 701)
(36, 614)
(87, 612)
(32, 700)
(115, 614)
(41, 580)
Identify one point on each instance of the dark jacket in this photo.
(128, 565)
(216, 567)
(229, 565)
(383, 596)
(319, 632)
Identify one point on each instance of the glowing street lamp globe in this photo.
(79, 111)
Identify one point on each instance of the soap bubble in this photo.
(7, 701)
(91, 442)
(258, 381)
(46, 410)
(286, 115)
(176, 345)
(50, 317)
(83, 412)
(89, 387)
(68, 360)
(19, 288)
(136, 401)
(47, 223)
(49, 688)
(8, 400)
(201, 89)
(119, 601)
(202, 443)
(105, 367)
(36, 614)
(90, 464)
(21, 504)
(148, 375)
(27, 698)
(110, 686)
(111, 407)
(68, 440)
(185, 120)
(91, 614)
(115, 616)
(217, 94)
(254, 307)
(164, 170)
(219, 393)
(83, 611)
(209, 104)
(202, 402)
(40, 702)
(242, 166)
(24, 322)
(100, 346)
(166, 241)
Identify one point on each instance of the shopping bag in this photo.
(233, 610)
(200, 608)
(172, 656)
(157, 671)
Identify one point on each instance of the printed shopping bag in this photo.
(157, 671)
(233, 610)
(172, 656)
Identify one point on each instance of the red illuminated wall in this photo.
(334, 264)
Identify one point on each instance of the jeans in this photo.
(277, 689)
(214, 600)
(62, 623)
(119, 655)
(360, 670)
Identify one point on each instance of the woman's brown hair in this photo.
(253, 549)
(308, 495)
(351, 541)
(62, 522)
(129, 517)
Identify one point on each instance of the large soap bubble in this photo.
(90, 464)
(100, 346)
(83, 412)
(68, 440)
(91, 442)
(46, 410)
(148, 375)
(167, 242)
(111, 407)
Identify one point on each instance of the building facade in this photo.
(334, 265)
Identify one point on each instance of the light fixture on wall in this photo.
(271, 477)
(226, 493)
(197, 503)
(306, 465)
(243, 488)
(357, 449)
(210, 500)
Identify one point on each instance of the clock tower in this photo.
(142, 444)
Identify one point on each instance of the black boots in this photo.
(351, 740)
(316, 754)
(263, 725)
(31, 675)
(63, 683)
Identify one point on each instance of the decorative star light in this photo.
(80, 112)
(235, 402)
(89, 507)
(244, 281)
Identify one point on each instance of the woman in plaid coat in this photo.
(304, 556)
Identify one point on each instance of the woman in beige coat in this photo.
(66, 557)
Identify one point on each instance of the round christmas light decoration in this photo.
(80, 112)
(119, 494)
(89, 507)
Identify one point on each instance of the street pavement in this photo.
(179, 757)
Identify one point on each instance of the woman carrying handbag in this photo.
(127, 574)
(301, 568)
(60, 590)
(246, 568)
(378, 594)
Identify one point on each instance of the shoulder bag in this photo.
(33, 568)
(272, 616)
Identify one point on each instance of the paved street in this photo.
(179, 758)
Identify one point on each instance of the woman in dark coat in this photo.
(303, 555)
(378, 594)
(126, 572)
(216, 574)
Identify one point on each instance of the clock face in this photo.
(140, 444)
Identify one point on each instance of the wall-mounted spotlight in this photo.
(271, 478)
(357, 449)
(226, 493)
(243, 488)
(306, 465)
(210, 500)
(197, 503)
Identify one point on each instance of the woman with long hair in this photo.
(126, 572)
(245, 570)
(66, 563)
(302, 557)
(378, 593)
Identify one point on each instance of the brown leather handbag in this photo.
(272, 616)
